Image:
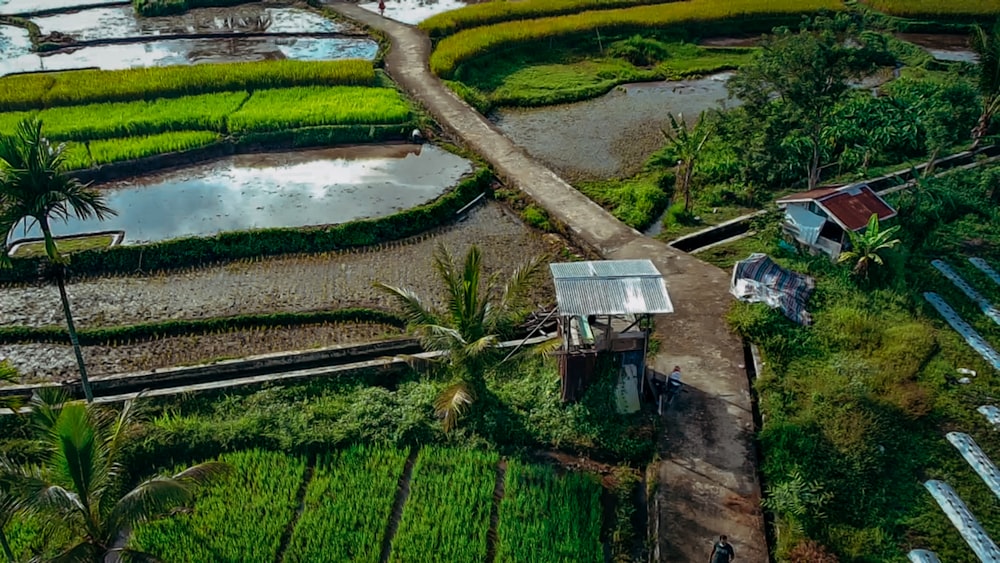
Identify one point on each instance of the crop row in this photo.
(36, 91)
(240, 518)
(347, 506)
(448, 511)
(932, 8)
(545, 518)
(475, 15)
(747, 15)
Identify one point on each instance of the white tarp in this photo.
(808, 223)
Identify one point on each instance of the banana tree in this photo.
(868, 246)
(686, 146)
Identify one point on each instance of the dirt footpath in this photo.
(707, 478)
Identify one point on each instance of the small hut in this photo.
(604, 308)
(820, 219)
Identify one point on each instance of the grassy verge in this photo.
(752, 15)
(36, 91)
(637, 201)
(856, 406)
(65, 245)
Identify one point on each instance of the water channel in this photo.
(264, 190)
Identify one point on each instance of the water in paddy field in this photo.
(610, 136)
(166, 52)
(121, 21)
(8, 7)
(943, 46)
(286, 189)
(15, 46)
(415, 11)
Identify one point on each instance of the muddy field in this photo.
(610, 136)
(49, 362)
(283, 284)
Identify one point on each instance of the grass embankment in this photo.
(738, 15)
(64, 245)
(986, 9)
(856, 407)
(585, 68)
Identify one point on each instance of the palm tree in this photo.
(77, 489)
(686, 146)
(868, 246)
(477, 316)
(987, 46)
(34, 188)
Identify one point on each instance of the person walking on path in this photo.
(381, 7)
(722, 551)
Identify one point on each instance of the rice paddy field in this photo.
(347, 508)
(935, 8)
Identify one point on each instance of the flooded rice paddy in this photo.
(289, 189)
(415, 11)
(943, 46)
(121, 21)
(610, 136)
(8, 7)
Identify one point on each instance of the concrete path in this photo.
(707, 477)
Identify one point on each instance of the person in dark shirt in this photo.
(722, 551)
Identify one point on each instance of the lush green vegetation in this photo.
(637, 201)
(466, 45)
(934, 9)
(475, 15)
(347, 506)
(65, 245)
(240, 518)
(36, 91)
(856, 406)
(585, 68)
(270, 110)
(131, 148)
(448, 511)
(546, 518)
(227, 247)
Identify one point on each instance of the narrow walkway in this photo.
(707, 477)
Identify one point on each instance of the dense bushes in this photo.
(751, 14)
(195, 251)
(34, 91)
(164, 329)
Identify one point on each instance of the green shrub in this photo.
(639, 50)
(907, 347)
(537, 217)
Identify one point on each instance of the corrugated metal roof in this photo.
(610, 287)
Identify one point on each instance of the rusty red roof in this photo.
(848, 206)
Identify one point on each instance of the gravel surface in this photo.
(48, 362)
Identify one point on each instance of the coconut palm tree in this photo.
(478, 314)
(986, 44)
(35, 189)
(686, 146)
(868, 246)
(78, 488)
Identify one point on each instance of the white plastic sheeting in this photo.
(806, 222)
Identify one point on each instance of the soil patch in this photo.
(943, 46)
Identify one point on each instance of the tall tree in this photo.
(477, 315)
(686, 145)
(78, 488)
(986, 43)
(868, 246)
(34, 188)
(801, 77)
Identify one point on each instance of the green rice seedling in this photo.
(9, 121)
(480, 41)
(130, 148)
(931, 8)
(32, 91)
(546, 518)
(347, 506)
(241, 518)
(270, 110)
(77, 156)
(475, 15)
(447, 516)
(126, 119)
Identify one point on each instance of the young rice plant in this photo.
(270, 110)
(129, 148)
